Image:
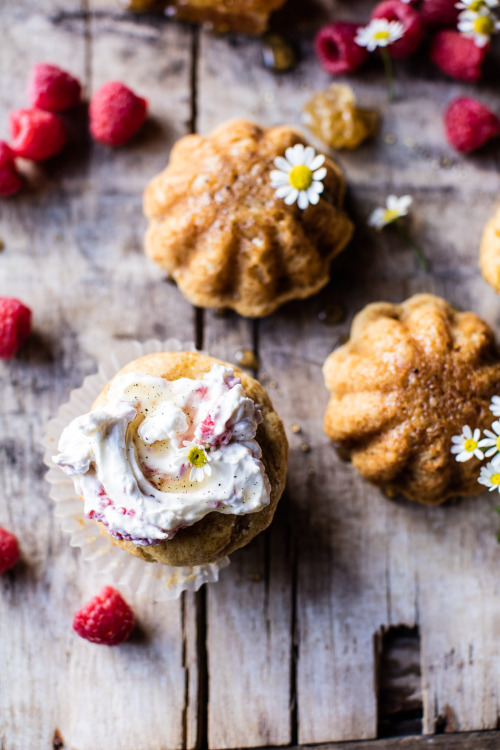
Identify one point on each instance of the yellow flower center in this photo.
(390, 215)
(469, 446)
(476, 5)
(381, 35)
(498, 443)
(495, 479)
(300, 177)
(197, 456)
(484, 25)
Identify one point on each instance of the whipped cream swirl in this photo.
(160, 454)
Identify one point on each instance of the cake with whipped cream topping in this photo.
(181, 460)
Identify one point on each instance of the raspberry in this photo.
(53, 89)
(394, 10)
(106, 619)
(116, 114)
(15, 326)
(336, 49)
(37, 135)
(9, 550)
(469, 124)
(10, 179)
(457, 55)
(439, 12)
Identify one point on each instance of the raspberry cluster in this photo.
(106, 619)
(458, 52)
(39, 132)
(9, 550)
(15, 326)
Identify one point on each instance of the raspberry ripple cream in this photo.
(160, 454)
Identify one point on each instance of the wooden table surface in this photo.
(354, 617)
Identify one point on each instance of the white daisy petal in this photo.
(282, 164)
(320, 174)
(295, 154)
(317, 162)
(467, 432)
(283, 191)
(292, 196)
(302, 200)
(376, 218)
(309, 154)
(477, 434)
(316, 187)
(312, 196)
(278, 178)
(464, 456)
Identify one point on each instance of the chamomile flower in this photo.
(466, 445)
(476, 5)
(197, 457)
(298, 176)
(495, 406)
(492, 442)
(394, 209)
(379, 33)
(490, 476)
(478, 25)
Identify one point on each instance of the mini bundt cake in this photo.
(181, 460)
(410, 378)
(489, 257)
(219, 227)
(240, 16)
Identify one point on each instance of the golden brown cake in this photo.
(218, 227)
(410, 378)
(182, 459)
(241, 16)
(489, 257)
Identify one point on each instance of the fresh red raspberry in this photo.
(37, 135)
(15, 326)
(106, 619)
(116, 114)
(457, 55)
(469, 124)
(10, 179)
(9, 550)
(51, 88)
(395, 10)
(439, 12)
(336, 49)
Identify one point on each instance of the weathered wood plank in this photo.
(464, 741)
(249, 611)
(73, 251)
(362, 559)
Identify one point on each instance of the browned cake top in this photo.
(217, 226)
(410, 377)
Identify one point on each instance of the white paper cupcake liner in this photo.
(157, 582)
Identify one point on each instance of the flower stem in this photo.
(419, 254)
(389, 72)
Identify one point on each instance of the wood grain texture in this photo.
(465, 741)
(73, 252)
(284, 648)
(364, 563)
